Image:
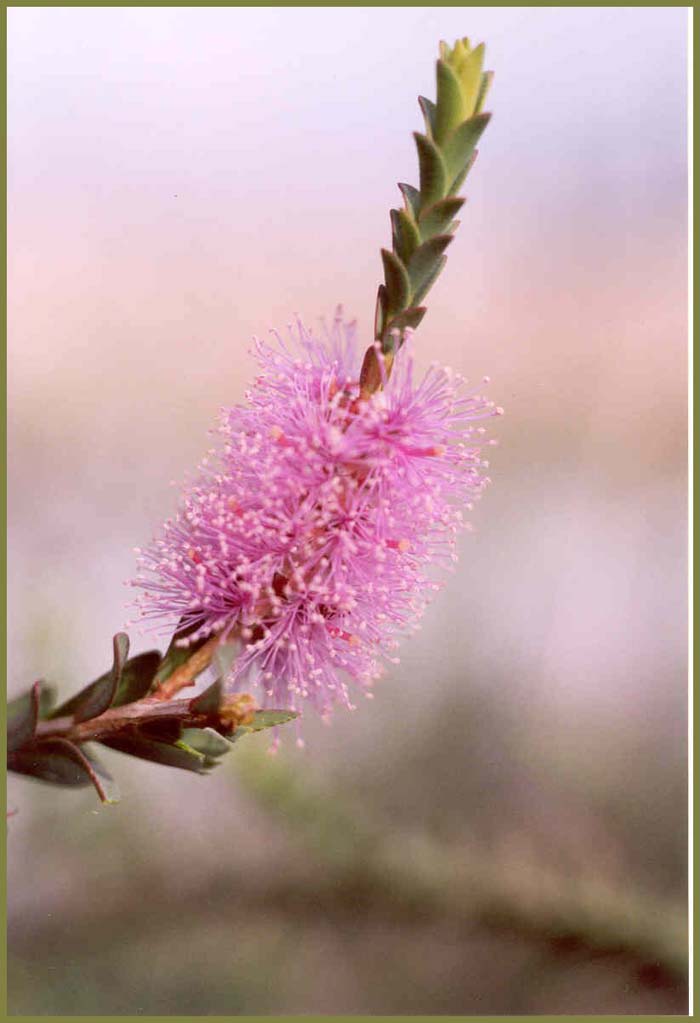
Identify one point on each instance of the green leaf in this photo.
(270, 719)
(469, 72)
(398, 287)
(436, 219)
(47, 764)
(406, 237)
(63, 763)
(263, 719)
(176, 754)
(445, 48)
(430, 280)
(425, 259)
(451, 109)
(47, 698)
(433, 174)
(99, 696)
(429, 112)
(95, 698)
(460, 145)
(137, 678)
(22, 716)
(486, 80)
(411, 197)
(209, 702)
(207, 741)
(176, 655)
(380, 312)
(408, 318)
(459, 180)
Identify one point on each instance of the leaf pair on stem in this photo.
(135, 708)
(423, 229)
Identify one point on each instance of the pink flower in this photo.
(314, 534)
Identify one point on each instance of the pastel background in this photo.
(182, 178)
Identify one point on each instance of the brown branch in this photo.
(119, 719)
(186, 674)
(352, 898)
(159, 706)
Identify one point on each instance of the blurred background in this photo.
(503, 829)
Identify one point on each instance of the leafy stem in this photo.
(424, 228)
(134, 708)
(148, 711)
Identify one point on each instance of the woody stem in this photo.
(117, 719)
(186, 674)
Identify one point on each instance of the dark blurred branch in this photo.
(351, 874)
(507, 892)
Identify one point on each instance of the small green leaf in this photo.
(191, 751)
(424, 260)
(468, 69)
(433, 174)
(270, 719)
(436, 219)
(63, 763)
(406, 237)
(430, 280)
(48, 764)
(451, 109)
(207, 741)
(460, 145)
(408, 318)
(137, 678)
(263, 719)
(47, 698)
(429, 112)
(101, 695)
(209, 701)
(398, 286)
(486, 80)
(176, 754)
(380, 312)
(95, 698)
(22, 716)
(459, 180)
(411, 197)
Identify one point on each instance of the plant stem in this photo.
(117, 719)
(157, 706)
(187, 673)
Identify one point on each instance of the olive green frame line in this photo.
(3, 519)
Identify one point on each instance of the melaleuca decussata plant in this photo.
(309, 539)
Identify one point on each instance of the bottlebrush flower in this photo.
(312, 534)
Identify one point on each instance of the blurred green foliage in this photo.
(446, 870)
